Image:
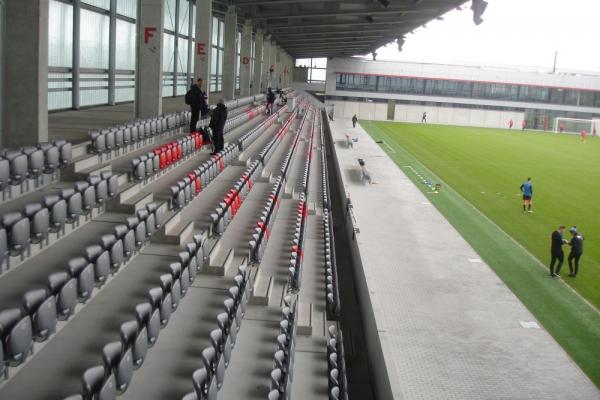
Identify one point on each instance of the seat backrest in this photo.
(35, 158)
(112, 182)
(42, 311)
(4, 173)
(16, 333)
(200, 381)
(3, 249)
(18, 229)
(58, 211)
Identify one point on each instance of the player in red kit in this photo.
(523, 125)
(510, 123)
(583, 135)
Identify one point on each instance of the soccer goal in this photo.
(575, 125)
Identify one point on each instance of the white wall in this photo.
(435, 115)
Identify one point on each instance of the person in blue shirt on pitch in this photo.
(527, 189)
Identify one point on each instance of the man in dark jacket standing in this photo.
(556, 251)
(576, 244)
(217, 124)
(197, 102)
(270, 100)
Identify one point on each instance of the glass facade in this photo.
(466, 89)
(95, 81)
(317, 68)
(216, 56)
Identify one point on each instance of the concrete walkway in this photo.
(448, 327)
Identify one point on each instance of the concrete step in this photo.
(220, 263)
(263, 287)
(133, 203)
(305, 315)
(176, 231)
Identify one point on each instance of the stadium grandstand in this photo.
(188, 212)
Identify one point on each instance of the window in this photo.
(217, 50)
(317, 68)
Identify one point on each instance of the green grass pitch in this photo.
(481, 171)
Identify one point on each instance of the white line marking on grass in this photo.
(389, 147)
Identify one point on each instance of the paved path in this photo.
(449, 327)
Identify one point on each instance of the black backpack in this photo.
(189, 97)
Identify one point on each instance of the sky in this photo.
(514, 32)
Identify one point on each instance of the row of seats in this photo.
(231, 104)
(228, 208)
(216, 358)
(261, 233)
(137, 336)
(191, 185)
(44, 307)
(18, 230)
(297, 250)
(283, 373)
(242, 118)
(31, 162)
(248, 138)
(331, 275)
(336, 363)
(160, 158)
(125, 137)
(266, 153)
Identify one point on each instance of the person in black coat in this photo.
(556, 251)
(217, 124)
(270, 101)
(576, 244)
(198, 104)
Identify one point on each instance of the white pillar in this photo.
(246, 49)
(25, 99)
(258, 62)
(229, 54)
(266, 81)
(202, 47)
(273, 65)
(149, 71)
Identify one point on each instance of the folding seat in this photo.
(138, 169)
(74, 397)
(127, 237)
(153, 127)
(190, 396)
(210, 360)
(88, 196)
(135, 136)
(109, 138)
(183, 196)
(280, 361)
(74, 204)
(172, 289)
(119, 142)
(100, 188)
(51, 157)
(188, 189)
(158, 212)
(273, 395)
(18, 166)
(64, 289)
(119, 361)
(134, 224)
(35, 161)
(141, 132)
(177, 197)
(276, 376)
(181, 278)
(188, 271)
(148, 220)
(334, 393)
(18, 232)
(149, 318)
(112, 183)
(155, 162)
(65, 149)
(98, 145)
(100, 258)
(332, 360)
(126, 131)
(4, 175)
(83, 272)
(41, 308)
(168, 149)
(148, 129)
(3, 251)
(114, 246)
(161, 301)
(99, 384)
(16, 336)
(204, 386)
(57, 208)
(179, 149)
(135, 339)
(334, 377)
(147, 166)
(39, 219)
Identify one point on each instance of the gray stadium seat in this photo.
(149, 318)
(139, 169)
(101, 188)
(64, 289)
(276, 376)
(190, 396)
(153, 208)
(51, 156)
(112, 182)
(58, 212)
(114, 246)
(98, 145)
(18, 231)
(109, 138)
(4, 175)
(42, 311)
(18, 166)
(200, 381)
(273, 395)
(74, 204)
(99, 384)
(100, 258)
(134, 224)
(171, 287)
(180, 282)
(162, 302)
(88, 196)
(127, 236)
(120, 362)
(136, 339)
(65, 149)
(83, 272)
(16, 335)
(35, 161)
(74, 397)
(39, 219)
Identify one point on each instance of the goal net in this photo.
(574, 125)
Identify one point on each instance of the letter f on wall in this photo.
(148, 33)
